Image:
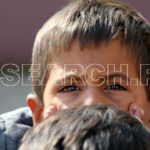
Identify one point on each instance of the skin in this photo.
(92, 84)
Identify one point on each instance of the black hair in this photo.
(95, 127)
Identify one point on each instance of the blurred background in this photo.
(19, 23)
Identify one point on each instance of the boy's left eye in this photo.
(115, 87)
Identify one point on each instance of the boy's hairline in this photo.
(92, 39)
(82, 46)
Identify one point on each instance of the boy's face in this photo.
(93, 75)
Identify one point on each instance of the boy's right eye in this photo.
(69, 88)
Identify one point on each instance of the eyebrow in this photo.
(79, 78)
(123, 76)
(73, 76)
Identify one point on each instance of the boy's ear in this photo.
(36, 108)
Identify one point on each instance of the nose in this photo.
(95, 95)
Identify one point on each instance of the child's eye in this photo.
(115, 87)
(69, 88)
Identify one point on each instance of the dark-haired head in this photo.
(95, 127)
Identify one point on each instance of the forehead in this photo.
(100, 56)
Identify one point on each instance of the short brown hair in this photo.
(90, 20)
(94, 127)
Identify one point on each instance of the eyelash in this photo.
(113, 87)
(69, 88)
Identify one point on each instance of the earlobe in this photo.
(30, 104)
(36, 108)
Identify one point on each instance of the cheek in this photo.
(141, 107)
(69, 99)
(121, 100)
(140, 98)
(57, 103)
(53, 107)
